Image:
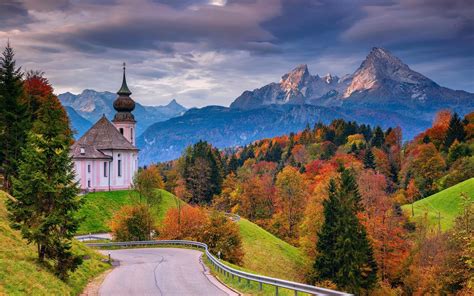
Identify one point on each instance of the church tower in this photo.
(124, 120)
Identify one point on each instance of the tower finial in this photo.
(124, 89)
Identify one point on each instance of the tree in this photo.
(378, 138)
(345, 253)
(455, 132)
(132, 223)
(147, 182)
(202, 172)
(14, 118)
(291, 199)
(46, 193)
(222, 236)
(369, 159)
(187, 223)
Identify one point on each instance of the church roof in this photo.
(103, 135)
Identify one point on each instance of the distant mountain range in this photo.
(87, 107)
(383, 91)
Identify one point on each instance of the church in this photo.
(105, 157)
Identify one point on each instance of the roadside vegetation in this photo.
(22, 274)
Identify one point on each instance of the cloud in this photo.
(208, 52)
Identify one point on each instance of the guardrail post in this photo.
(248, 282)
(239, 278)
(276, 290)
(260, 286)
(296, 293)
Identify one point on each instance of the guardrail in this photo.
(229, 271)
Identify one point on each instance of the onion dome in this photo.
(124, 105)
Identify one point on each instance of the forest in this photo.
(336, 190)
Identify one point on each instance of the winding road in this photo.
(160, 271)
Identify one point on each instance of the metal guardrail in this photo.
(229, 271)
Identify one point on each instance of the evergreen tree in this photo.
(45, 191)
(345, 253)
(14, 123)
(455, 132)
(378, 138)
(369, 159)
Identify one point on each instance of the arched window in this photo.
(119, 166)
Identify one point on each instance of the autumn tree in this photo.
(14, 117)
(46, 193)
(222, 235)
(133, 223)
(291, 198)
(146, 182)
(345, 253)
(186, 223)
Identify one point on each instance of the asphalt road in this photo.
(160, 271)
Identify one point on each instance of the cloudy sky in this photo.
(207, 52)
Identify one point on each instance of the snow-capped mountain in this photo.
(91, 104)
(381, 82)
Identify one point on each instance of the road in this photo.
(160, 271)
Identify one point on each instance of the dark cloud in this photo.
(13, 15)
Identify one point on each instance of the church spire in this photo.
(124, 89)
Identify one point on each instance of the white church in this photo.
(105, 157)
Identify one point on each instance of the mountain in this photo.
(227, 127)
(79, 124)
(382, 82)
(91, 104)
(382, 91)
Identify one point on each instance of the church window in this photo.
(88, 168)
(89, 183)
(83, 151)
(131, 135)
(105, 169)
(119, 171)
(121, 130)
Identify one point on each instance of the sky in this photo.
(207, 52)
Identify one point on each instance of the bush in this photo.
(132, 223)
(222, 235)
(216, 230)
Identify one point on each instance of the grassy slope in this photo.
(269, 255)
(99, 207)
(446, 202)
(20, 274)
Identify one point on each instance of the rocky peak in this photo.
(296, 78)
(380, 66)
(329, 78)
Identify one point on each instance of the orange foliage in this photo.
(186, 222)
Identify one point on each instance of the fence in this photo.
(229, 271)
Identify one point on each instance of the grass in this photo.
(247, 287)
(446, 203)
(21, 274)
(99, 207)
(268, 255)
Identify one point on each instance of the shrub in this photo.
(132, 223)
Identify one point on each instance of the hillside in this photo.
(447, 203)
(21, 275)
(269, 255)
(99, 207)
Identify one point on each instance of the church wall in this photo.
(128, 130)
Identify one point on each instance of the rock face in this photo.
(91, 104)
(382, 82)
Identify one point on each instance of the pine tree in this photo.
(45, 191)
(345, 253)
(14, 123)
(455, 132)
(369, 159)
(379, 138)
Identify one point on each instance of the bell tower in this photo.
(124, 120)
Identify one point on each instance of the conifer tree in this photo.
(379, 138)
(345, 253)
(14, 123)
(45, 191)
(455, 132)
(369, 159)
